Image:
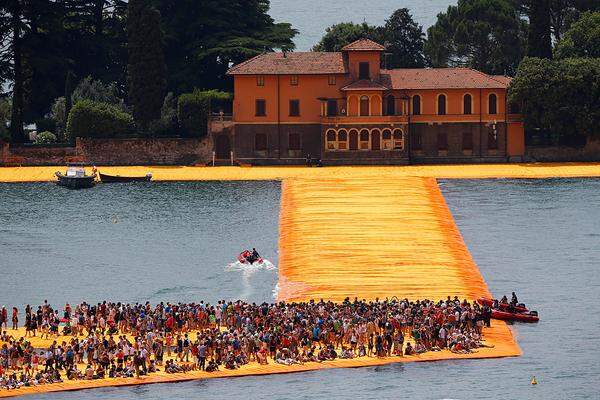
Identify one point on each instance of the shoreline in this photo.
(202, 173)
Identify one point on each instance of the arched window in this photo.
(364, 105)
(342, 140)
(467, 104)
(386, 139)
(331, 140)
(364, 140)
(353, 139)
(441, 104)
(391, 105)
(416, 105)
(398, 139)
(375, 139)
(492, 104)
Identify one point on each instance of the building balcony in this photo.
(364, 119)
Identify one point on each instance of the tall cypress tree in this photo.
(539, 39)
(146, 70)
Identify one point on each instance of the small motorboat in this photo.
(75, 177)
(520, 308)
(104, 178)
(246, 257)
(530, 316)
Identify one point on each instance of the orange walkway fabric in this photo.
(181, 173)
(374, 237)
(368, 236)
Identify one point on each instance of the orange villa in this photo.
(343, 108)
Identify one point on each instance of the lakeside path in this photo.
(185, 173)
(362, 232)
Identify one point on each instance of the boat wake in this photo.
(251, 268)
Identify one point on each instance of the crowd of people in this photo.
(111, 340)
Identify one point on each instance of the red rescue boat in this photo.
(531, 316)
(245, 257)
(520, 308)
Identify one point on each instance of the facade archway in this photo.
(375, 139)
(365, 106)
(353, 142)
(441, 104)
(492, 104)
(416, 105)
(467, 104)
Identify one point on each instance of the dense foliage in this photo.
(539, 42)
(146, 70)
(487, 35)
(93, 119)
(5, 112)
(561, 96)
(403, 37)
(583, 39)
(45, 44)
(193, 110)
(45, 138)
(202, 38)
(339, 35)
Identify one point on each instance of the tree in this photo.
(193, 109)
(559, 96)
(539, 42)
(12, 24)
(83, 36)
(404, 39)
(93, 119)
(5, 113)
(563, 13)
(582, 39)
(96, 90)
(487, 35)
(203, 38)
(339, 35)
(146, 71)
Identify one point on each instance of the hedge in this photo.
(193, 109)
(99, 120)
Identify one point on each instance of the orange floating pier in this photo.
(369, 234)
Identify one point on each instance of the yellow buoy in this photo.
(533, 381)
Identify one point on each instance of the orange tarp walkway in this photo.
(359, 232)
(181, 173)
(370, 237)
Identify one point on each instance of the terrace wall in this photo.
(133, 151)
(590, 152)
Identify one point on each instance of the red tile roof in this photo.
(291, 64)
(440, 78)
(365, 84)
(363, 45)
(501, 78)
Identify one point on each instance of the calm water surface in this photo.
(171, 241)
(312, 17)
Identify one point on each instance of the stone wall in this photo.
(134, 151)
(37, 154)
(139, 151)
(590, 152)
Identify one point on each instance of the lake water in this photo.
(312, 17)
(171, 241)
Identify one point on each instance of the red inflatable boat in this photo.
(531, 316)
(520, 308)
(245, 257)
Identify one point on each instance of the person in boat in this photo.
(504, 300)
(514, 301)
(255, 254)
